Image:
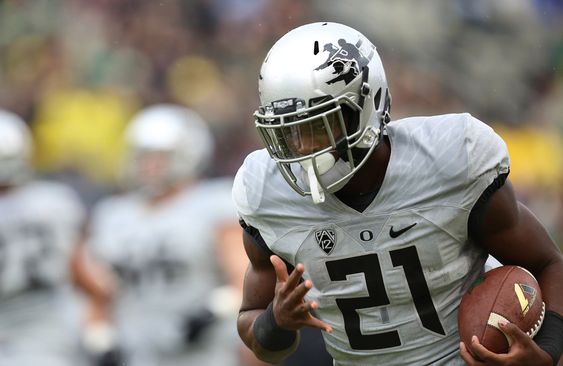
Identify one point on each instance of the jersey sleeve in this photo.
(101, 218)
(60, 204)
(487, 159)
(246, 191)
(213, 204)
(59, 201)
(99, 211)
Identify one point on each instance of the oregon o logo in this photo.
(366, 235)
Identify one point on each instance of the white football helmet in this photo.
(15, 149)
(166, 144)
(324, 105)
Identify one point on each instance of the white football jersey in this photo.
(165, 261)
(389, 279)
(40, 222)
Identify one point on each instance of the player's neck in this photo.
(168, 195)
(370, 177)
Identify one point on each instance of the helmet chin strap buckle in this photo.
(317, 192)
(324, 163)
(371, 136)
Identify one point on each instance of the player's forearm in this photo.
(92, 278)
(268, 342)
(552, 287)
(550, 337)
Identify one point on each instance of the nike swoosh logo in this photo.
(395, 234)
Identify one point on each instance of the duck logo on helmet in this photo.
(346, 59)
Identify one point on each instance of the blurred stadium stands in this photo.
(76, 70)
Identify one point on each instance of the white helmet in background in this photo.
(324, 105)
(166, 144)
(15, 149)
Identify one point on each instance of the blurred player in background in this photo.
(172, 247)
(40, 225)
(372, 229)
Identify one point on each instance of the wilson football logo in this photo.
(326, 238)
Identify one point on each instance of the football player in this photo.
(40, 224)
(172, 245)
(372, 230)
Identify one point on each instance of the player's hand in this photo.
(291, 311)
(523, 351)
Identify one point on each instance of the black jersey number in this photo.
(370, 267)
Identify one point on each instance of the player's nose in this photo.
(310, 146)
(311, 143)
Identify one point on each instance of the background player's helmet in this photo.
(15, 149)
(166, 144)
(324, 103)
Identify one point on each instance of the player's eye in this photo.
(319, 126)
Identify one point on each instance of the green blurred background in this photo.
(76, 71)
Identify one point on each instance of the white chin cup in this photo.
(324, 162)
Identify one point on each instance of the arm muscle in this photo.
(512, 234)
(258, 292)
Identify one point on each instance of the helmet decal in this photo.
(346, 59)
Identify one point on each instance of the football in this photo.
(508, 293)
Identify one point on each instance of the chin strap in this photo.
(324, 163)
(317, 192)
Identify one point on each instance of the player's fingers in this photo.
(481, 352)
(514, 333)
(306, 308)
(297, 295)
(316, 323)
(466, 355)
(294, 277)
(279, 267)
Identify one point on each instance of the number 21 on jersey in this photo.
(408, 259)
